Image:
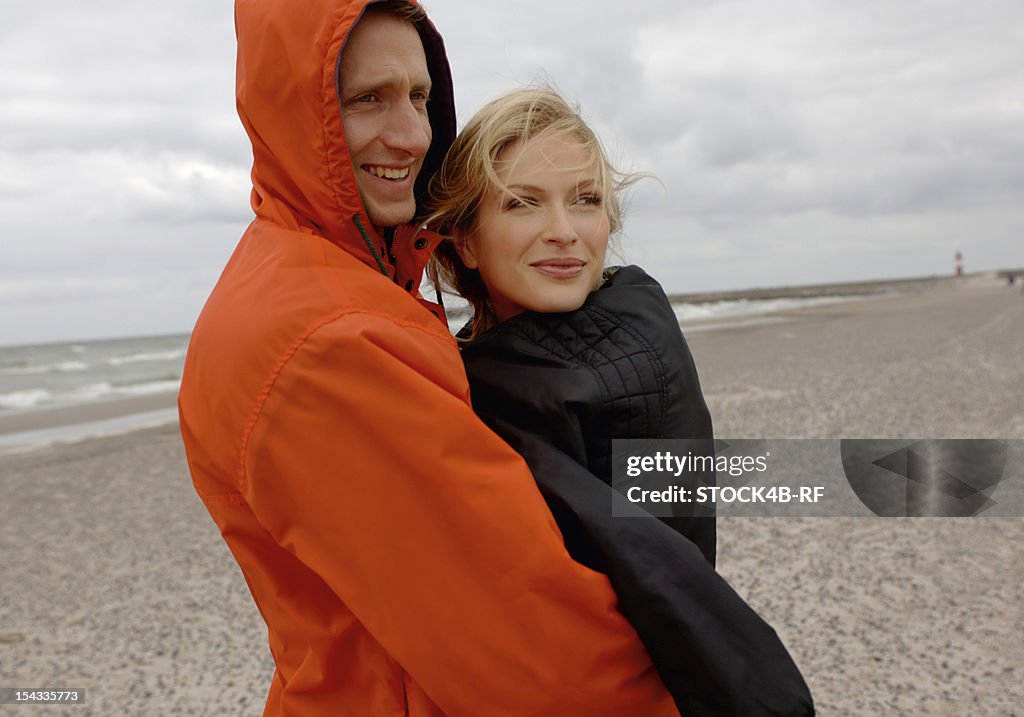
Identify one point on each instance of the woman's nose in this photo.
(560, 228)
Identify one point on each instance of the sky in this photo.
(793, 141)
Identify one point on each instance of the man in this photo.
(398, 550)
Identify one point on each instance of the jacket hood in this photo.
(286, 91)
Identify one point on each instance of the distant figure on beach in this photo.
(564, 355)
(399, 551)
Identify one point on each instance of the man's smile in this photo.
(382, 172)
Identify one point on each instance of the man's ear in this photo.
(466, 250)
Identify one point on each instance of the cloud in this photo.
(796, 140)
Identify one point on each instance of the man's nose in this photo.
(560, 228)
(408, 129)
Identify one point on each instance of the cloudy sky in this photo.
(796, 141)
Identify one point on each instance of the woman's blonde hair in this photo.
(469, 171)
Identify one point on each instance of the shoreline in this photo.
(35, 419)
(35, 430)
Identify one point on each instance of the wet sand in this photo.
(116, 580)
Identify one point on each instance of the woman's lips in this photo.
(559, 268)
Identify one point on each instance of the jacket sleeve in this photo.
(369, 465)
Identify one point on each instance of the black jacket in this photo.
(558, 388)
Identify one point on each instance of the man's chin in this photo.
(390, 214)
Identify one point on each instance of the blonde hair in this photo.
(469, 172)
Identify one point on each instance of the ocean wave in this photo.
(149, 387)
(27, 398)
(24, 369)
(747, 307)
(90, 391)
(105, 389)
(97, 391)
(147, 356)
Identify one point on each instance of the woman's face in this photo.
(541, 245)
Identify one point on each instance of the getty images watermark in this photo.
(820, 477)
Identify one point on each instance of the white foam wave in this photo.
(27, 398)
(30, 398)
(90, 391)
(149, 388)
(103, 389)
(60, 366)
(147, 356)
(747, 307)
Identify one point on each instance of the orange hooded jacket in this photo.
(399, 551)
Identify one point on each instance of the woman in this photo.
(564, 356)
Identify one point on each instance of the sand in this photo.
(115, 580)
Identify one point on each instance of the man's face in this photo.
(384, 89)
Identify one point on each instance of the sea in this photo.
(68, 378)
(71, 380)
(87, 371)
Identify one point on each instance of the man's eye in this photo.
(369, 97)
(422, 97)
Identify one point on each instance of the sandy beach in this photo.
(116, 581)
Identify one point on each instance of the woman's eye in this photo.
(519, 202)
(593, 200)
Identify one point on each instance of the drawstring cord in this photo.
(373, 249)
(380, 262)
